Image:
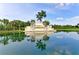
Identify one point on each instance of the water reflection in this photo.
(39, 38)
(40, 43)
(17, 37)
(12, 38)
(61, 50)
(77, 32)
(4, 40)
(45, 38)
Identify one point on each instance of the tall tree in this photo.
(33, 24)
(46, 23)
(78, 24)
(28, 23)
(41, 15)
(5, 21)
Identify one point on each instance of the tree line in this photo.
(5, 24)
(14, 24)
(65, 26)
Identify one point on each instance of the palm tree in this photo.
(33, 23)
(40, 15)
(46, 23)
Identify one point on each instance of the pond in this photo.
(59, 43)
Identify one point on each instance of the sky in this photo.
(57, 13)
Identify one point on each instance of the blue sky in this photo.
(57, 13)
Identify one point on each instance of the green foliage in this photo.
(40, 15)
(5, 21)
(2, 27)
(32, 22)
(28, 23)
(46, 22)
(15, 24)
(64, 27)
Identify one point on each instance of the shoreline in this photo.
(10, 31)
(68, 30)
(5, 32)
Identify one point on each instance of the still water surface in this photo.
(61, 43)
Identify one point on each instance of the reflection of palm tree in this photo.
(41, 45)
(45, 38)
(32, 38)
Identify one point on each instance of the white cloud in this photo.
(66, 21)
(73, 20)
(63, 6)
(60, 5)
(60, 18)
